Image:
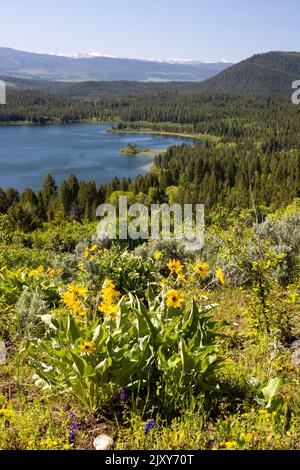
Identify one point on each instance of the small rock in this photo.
(295, 344)
(295, 349)
(2, 353)
(103, 442)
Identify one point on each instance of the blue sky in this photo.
(209, 30)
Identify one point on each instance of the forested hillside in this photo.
(263, 74)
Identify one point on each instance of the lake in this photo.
(27, 153)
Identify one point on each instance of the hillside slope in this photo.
(263, 74)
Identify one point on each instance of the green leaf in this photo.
(73, 329)
(188, 363)
(96, 333)
(89, 371)
(272, 388)
(80, 363)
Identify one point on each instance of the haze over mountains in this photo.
(53, 67)
(271, 73)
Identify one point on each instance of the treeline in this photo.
(234, 176)
(74, 200)
(237, 175)
(44, 108)
(272, 121)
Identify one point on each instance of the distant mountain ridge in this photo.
(56, 67)
(267, 74)
(271, 73)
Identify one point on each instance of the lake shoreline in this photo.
(52, 123)
(208, 137)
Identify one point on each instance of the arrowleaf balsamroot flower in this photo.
(110, 296)
(109, 291)
(52, 272)
(88, 347)
(109, 309)
(157, 255)
(175, 266)
(221, 277)
(174, 298)
(74, 298)
(38, 272)
(181, 277)
(202, 269)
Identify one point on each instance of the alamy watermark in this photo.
(158, 222)
(296, 94)
(2, 92)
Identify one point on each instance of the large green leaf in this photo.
(271, 389)
(188, 362)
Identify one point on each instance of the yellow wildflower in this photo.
(6, 411)
(108, 284)
(110, 297)
(78, 290)
(93, 248)
(49, 443)
(202, 269)
(174, 298)
(221, 277)
(230, 332)
(175, 266)
(181, 277)
(52, 272)
(80, 266)
(30, 445)
(38, 272)
(246, 437)
(74, 297)
(109, 292)
(262, 412)
(86, 252)
(88, 347)
(109, 309)
(231, 444)
(157, 255)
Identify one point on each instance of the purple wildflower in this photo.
(124, 395)
(74, 427)
(151, 424)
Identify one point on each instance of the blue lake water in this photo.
(27, 153)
